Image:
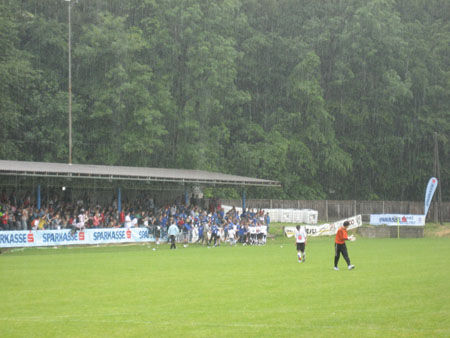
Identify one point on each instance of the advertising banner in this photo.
(11, 239)
(431, 188)
(397, 219)
(328, 229)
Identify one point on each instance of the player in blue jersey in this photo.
(214, 234)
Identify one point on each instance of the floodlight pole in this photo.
(70, 79)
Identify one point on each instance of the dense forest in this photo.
(337, 99)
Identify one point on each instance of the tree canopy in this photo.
(335, 99)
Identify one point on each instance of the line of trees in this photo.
(335, 99)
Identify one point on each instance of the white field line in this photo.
(78, 319)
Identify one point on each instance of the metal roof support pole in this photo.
(186, 196)
(38, 197)
(119, 199)
(243, 201)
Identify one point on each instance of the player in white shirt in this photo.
(81, 220)
(232, 236)
(78, 223)
(128, 223)
(264, 234)
(300, 240)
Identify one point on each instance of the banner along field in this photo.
(400, 287)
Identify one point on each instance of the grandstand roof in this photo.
(64, 170)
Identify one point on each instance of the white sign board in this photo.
(397, 219)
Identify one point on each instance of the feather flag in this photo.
(431, 188)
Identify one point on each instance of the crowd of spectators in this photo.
(205, 225)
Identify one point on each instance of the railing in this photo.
(334, 210)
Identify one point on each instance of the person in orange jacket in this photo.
(340, 247)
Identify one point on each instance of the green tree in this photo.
(121, 118)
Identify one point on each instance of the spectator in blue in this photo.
(267, 219)
(241, 233)
(201, 233)
(219, 221)
(164, 221)
(214, 234)
(187, 231)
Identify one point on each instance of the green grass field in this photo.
(400, 288)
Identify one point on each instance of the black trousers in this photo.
(172, 242)
(338, 249)
(213, 237)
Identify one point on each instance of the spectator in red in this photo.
(102, 219)
(5, 219)
(122, 218)
(96, 220)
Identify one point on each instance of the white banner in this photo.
(307, 216)
(11, 239)
(397, 219)
(254, 230)
(328, 229)
(431, 188)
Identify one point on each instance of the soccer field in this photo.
(400, 287)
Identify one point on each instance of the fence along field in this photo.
(336, 209)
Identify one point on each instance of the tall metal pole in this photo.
(70, 83)
(437, 174)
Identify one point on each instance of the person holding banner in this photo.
(300, 240)
(340, 247)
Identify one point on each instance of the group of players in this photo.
(214, 232)
(339, 245)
